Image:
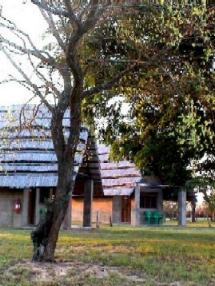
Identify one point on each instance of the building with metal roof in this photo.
(104, 190)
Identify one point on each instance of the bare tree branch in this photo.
(20, 82)
(36, 53)
(76, 24)
(44, 56)
(52, 27)
(27, 79)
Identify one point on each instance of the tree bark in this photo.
(45, 236)
(193, 204)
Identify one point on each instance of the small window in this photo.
(148, 200)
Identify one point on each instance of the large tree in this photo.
(171, 122)
(62, 71)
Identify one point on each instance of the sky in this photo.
(27, 17)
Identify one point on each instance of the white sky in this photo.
(28, 18)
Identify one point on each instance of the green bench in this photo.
(153, 217)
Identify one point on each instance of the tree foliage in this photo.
(170, 125)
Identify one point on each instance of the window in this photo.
(148, 200)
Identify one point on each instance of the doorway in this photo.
(126, 209)
(31, 207)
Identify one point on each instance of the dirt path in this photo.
(72, 274)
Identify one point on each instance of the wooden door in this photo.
(31, 207)
(126, 209)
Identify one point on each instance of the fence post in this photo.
(111, 224)
(97, 219)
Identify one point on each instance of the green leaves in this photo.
(171, 93)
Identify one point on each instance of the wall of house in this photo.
(8, 217)
(101, 207)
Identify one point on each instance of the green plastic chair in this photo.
(147, 217)
(157, 217)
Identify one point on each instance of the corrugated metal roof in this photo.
(28, 181)
(27, 157)
(118, 178)
(31, 133)
(120, 173)
(33, 156)
(125, 181)
(118, 191)
(16, 168)
(117, 165)
(33, 144)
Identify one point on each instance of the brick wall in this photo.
(102, 206)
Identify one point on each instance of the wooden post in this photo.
(160, 200)
(37, 206)
(116, 209)
(25, 207)
(88, 198)
(193, 205)
(110, 219)
(97, 219)
(182, 208)
(136, 211)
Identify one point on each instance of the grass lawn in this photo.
(114, 256)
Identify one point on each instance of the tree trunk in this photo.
(45, 236)
(193, 204)
(212, 216)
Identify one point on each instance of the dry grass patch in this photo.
(67, 274)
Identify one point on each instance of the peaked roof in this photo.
(118, 178)
(27, 157)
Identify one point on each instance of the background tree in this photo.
(171, 122)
